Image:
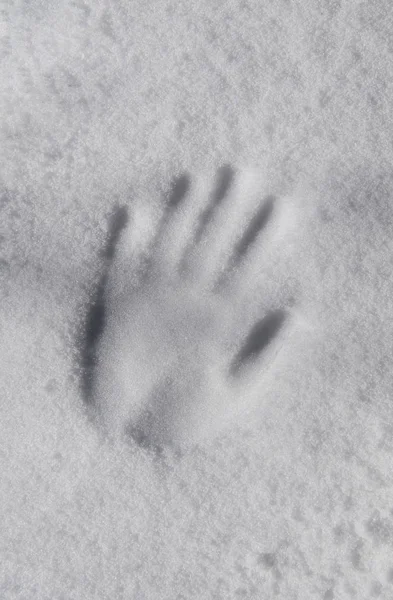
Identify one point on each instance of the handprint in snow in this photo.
(179, 336)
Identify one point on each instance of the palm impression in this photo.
(185, 327)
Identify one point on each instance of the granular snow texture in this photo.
(103, 104)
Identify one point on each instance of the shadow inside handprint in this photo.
(95, 317)
(259, 338)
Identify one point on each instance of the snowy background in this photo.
(104, 102)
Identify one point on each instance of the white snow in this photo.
(102, 104)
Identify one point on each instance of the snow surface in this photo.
(102, 104)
